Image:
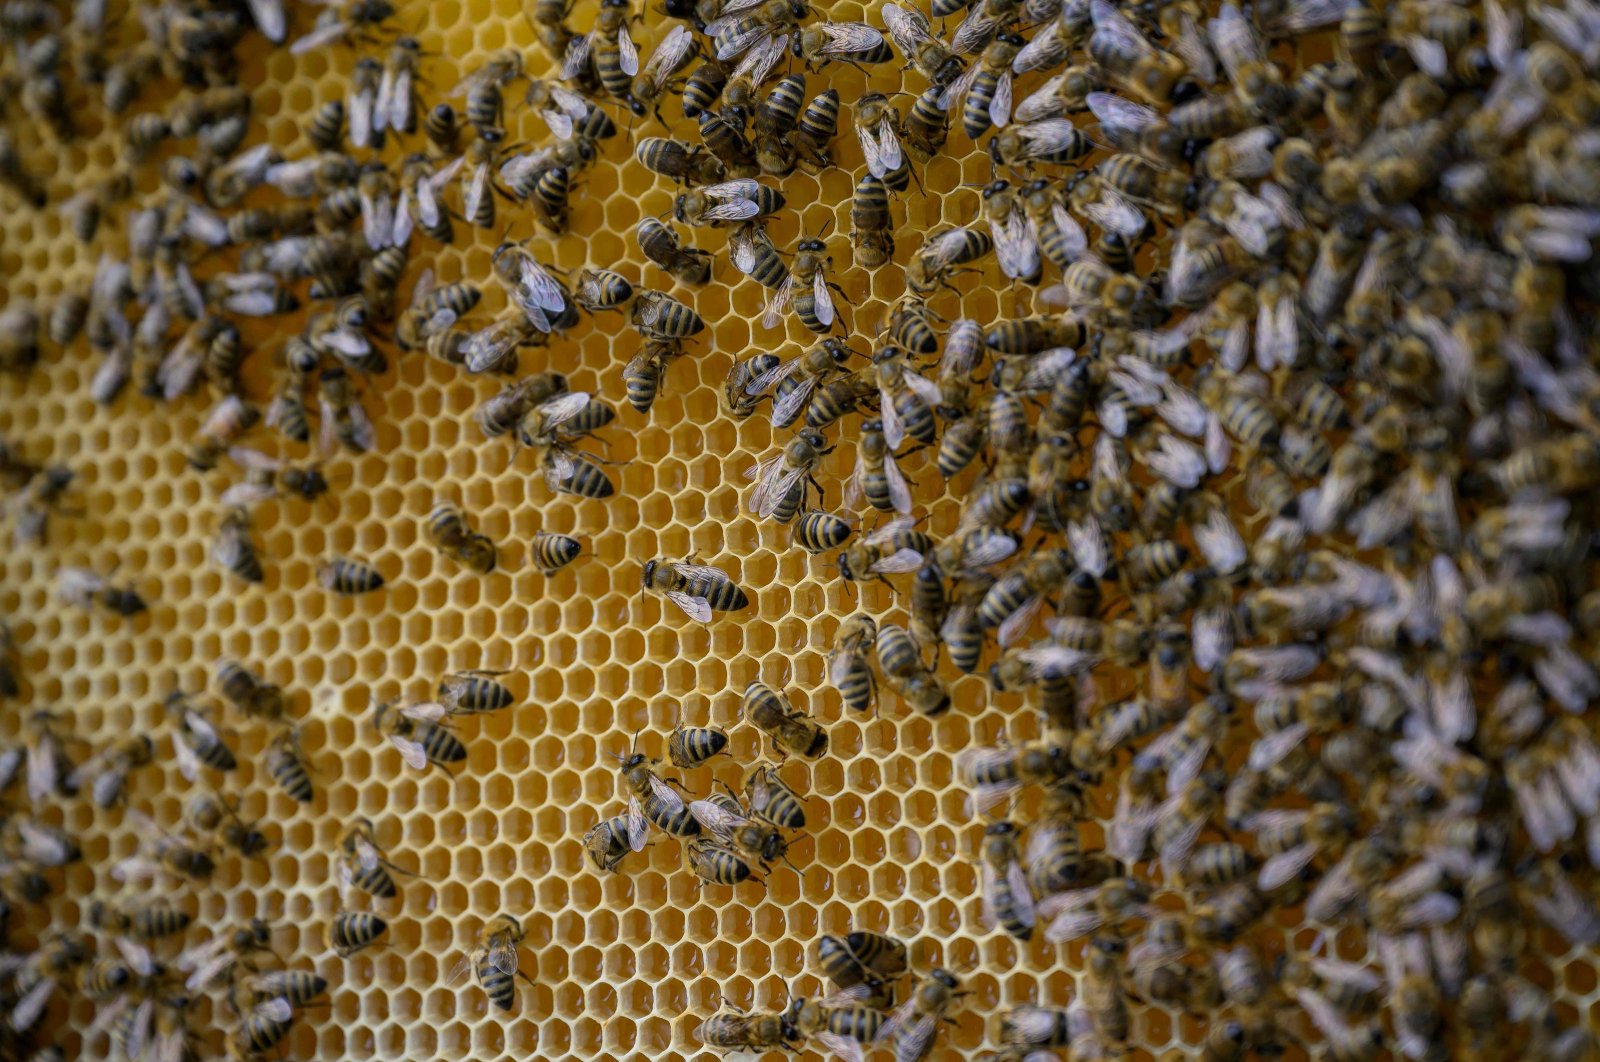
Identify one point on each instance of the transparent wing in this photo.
(823, 299)
(778, 303)
(716, 818)
(696, 608)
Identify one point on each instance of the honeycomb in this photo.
(622, 965)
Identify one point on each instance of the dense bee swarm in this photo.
(1237, 364)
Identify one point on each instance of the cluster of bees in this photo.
(1271, 487)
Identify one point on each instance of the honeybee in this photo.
(105, 774)
(30, 841)
(343, 419)
(915, 1025)
(658, 316)
(841, 1022)
(878, 129)
(808, 285)
(267, 477)
(448, 530)
(493, 963)
(751, 840)
(791, 731)
(230, 418)
(745, 199)
(149, 921)
(1109, 906)
(771, 799)
(657, 77)
(345, 575)
(362, 863)
(789, 469)
(606, 842)
(850, 662)
(660, 244)
(209, 815)
(85, 589)
(353, 931)
(691, 746)
(163, 852)
(1007, 895)
(1132, 62)
(59, 954)
(420, 734)
(685, 163)
(872, 236)
(748, 1031)
(286, 763)
(995, 773)
(652, 800)
(930, 55)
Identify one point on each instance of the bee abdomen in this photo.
(350, 931)
(345, 576)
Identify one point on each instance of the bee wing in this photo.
(319, 37)
(638, 825)
(276, 1009)
(894, 432)
(400, 100)
(905, 560)
(30, 1008)
(477, 188)
(1175, 852)
(137, 956)
(359, 108)
(541, 288)
(1087, 541)
(1000, 103)
(822, 298)
(1042, 102)
(504, 957)
(383, 102)
(742, 249)
(630, 53)
(899, 492)
(975, 30)
(577, 57)
(188, 762)
(1114, 32)
(411, 752)
(778, 302)
(889, 149)
(563, 407)
(1014, 246)
(43, 769)
(1213, 637)
(1073, 923)
(914, 1041)
(108, 786)
(716, 818)
(1285, 866)
(666, 794)
(696, 608)
(1234, 40)
(907, 26)
(846, 1048)
(872, 151)
(1016, 624)
(560, 123)
(1300, 16)
(759, 60)
(734, 44)
(675, 48)
(400, 228)
(846, 38)
(785, 409)
(426, 711)
(362, 433)
(1114, 211)
(41, 845)
(211, 970)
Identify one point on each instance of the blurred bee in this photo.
(286, 763)
(448, 530)
(493, 963)
(872, 235)
(30, 841)
(1007, 896)
(771, 799)
(422, 186)
(758, 1032)
(915, 1025)
(344, 575)
(419, 732)
(268, 477)
(334, 24)
(230, 418)
(504, 411)
(483, 89)
(658, 76)
(295, 987)
(731, 201)
(353, 931)
(995, 773)
(32, 505)
(59, 954)
(233, 551)
(878, 129)
(724, 137)
(343, 419)
(163, 852)
(208, 815)
(652, 800)
(791, 731)
(549, 20)
(85, 589)
(150, 921)
(443, 129)
(660, 244)
(106, 773)
(396, 104)
(606, 843)
(914, 37)
(478, 188)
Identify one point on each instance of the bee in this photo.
(658, 316)
(652, 800)
(602, 289)
(724, 138)
(658, 76)
(550, 552)
(85, 589)
(753, 255)
(208, 815)
(1007, 896)
(878, 129)
(420, 734)
(362, 863)
(286, 763)
(730, 202)
(424, 183)
(1132, 63)
(815, 129)
(344, 575)
(353, 931)
(785, 473)
(448, 530)
(39, 497)
(915, 1025)
(230, 418)
(850, 42)
(995, 773)
(268, 477)
(163, 852)
(59, 955)
(749, 839)
(985, 88)
(913, 36)
(872, 235)
(791, 731)
(660, 244)
(493, 963)
(607, 843)
(691, 746)
(841, 1022)
(483, 89)
(748, 1031)
(817, 531)
(106, 773)
(343, 420)
(941, 252)
(150, 921)
(610, 52)
(233, 550)
(31, 842)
